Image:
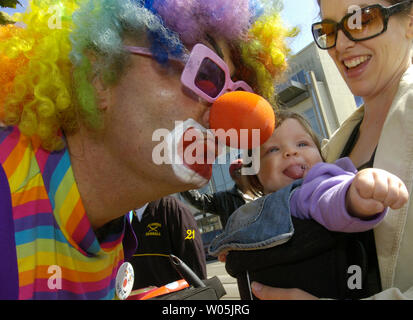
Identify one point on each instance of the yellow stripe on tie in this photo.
(23, 170)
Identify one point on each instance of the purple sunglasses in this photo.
(205, 73)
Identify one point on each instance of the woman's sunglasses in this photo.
(373, 22)
(205, 73)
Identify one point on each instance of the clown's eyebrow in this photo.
(216, 47)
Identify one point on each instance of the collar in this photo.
(139, 212)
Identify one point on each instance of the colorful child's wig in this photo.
(48, 61)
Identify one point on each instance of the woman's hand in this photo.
(222, 256)
(264, 292)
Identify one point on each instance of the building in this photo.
(315, 89)
(220, 181)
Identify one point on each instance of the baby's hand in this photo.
(372, 190)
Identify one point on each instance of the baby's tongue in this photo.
(294, 172)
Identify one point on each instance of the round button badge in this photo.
(124, 281)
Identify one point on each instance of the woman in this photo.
(374, 58)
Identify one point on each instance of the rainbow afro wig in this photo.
(46, 65)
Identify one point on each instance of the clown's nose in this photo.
(242, 119)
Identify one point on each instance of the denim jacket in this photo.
(255, 226)
(320, 196)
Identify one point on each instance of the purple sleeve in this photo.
(322, 197)
(9, 277)
(130, 242)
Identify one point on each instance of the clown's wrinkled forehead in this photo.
(59, 35)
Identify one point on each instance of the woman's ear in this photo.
(409, 31)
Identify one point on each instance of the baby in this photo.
(293, 178)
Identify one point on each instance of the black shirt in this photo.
(222, 203)
(167, 227)
(366, 238)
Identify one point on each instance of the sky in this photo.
(298, 13)
(301, 14)
(18, 8)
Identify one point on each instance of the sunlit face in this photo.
(286, 156)
(149, 98)
(369, 66)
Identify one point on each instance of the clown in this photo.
(83, 86)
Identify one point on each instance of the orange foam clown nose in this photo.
(236, 114)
